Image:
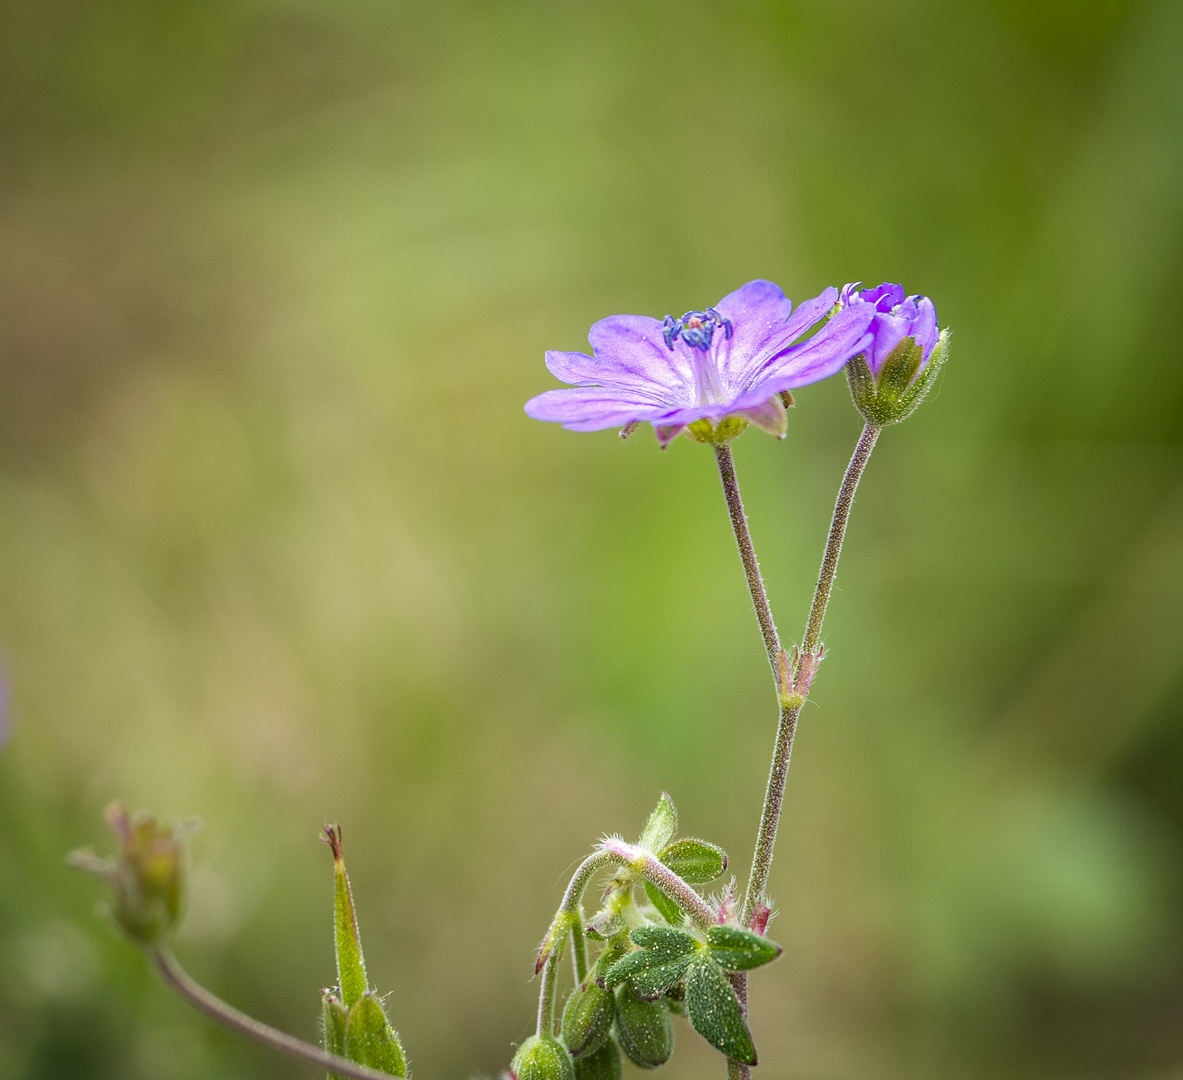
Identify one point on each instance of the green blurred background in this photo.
(278, 545)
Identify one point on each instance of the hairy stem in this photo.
(792, 701)
(825, 578)
(217, 1010)
(792, 686)
(546, 995)
(751, 568)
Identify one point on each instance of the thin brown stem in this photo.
(192, 992)
(747, 553)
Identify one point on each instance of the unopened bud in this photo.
(587, 1019)
(645, 1029)
(370, 1040)
(604, 1064)
(149, 876)
(542, 1057)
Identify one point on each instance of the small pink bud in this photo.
(760, 916)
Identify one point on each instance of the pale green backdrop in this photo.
(278, 545)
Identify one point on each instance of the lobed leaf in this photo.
(715, 1013)
(694, 861)
(740, 950)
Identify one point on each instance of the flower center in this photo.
(696, 328)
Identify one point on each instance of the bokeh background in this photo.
(278, 545)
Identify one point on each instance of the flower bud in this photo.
(587, 1019)
(370, 1040)
(541, 1057)
(149, 876)
(333, 1020)
(901, 354)
(644, 1028)
(604, 1064)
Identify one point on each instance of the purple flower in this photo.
(710, 373)
(896, 364)
(896, 317)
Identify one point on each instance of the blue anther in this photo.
(696, 328)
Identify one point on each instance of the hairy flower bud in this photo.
(587, 1019)
(148, 877)
(604, 1064)
(541, 1057)
(644, 1028)
(901, 353)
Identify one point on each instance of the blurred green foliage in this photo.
(278, 546)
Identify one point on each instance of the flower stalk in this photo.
(193, 993)
(793, 677)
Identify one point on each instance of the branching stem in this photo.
(792, 683)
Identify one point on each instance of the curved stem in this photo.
(546, 995)
(569, 918)
(217, 1010)
(751, 568)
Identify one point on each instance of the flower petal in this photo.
(634, 346)
(820, 356)
(592, 408)
(745, 355)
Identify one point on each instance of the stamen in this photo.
(696, 328)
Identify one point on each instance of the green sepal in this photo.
(740, 950)
(587, 1019)
(351, 965)
(542, 1057)
(333, 1020)
(644, 1028)
(670, 911)
(716, 434)
(604, 1064)
(370, 1040)
(662, 960)
(605, 924)
(715, 1013)
(694, 861)
(897, 392)
(661, 827)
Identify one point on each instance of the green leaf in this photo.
(370, 1040)
(740, 950)
(694, 861)
(661, 826)
(715, 1012)
(662, 960)
(665, 904)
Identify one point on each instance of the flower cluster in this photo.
(711, 373)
